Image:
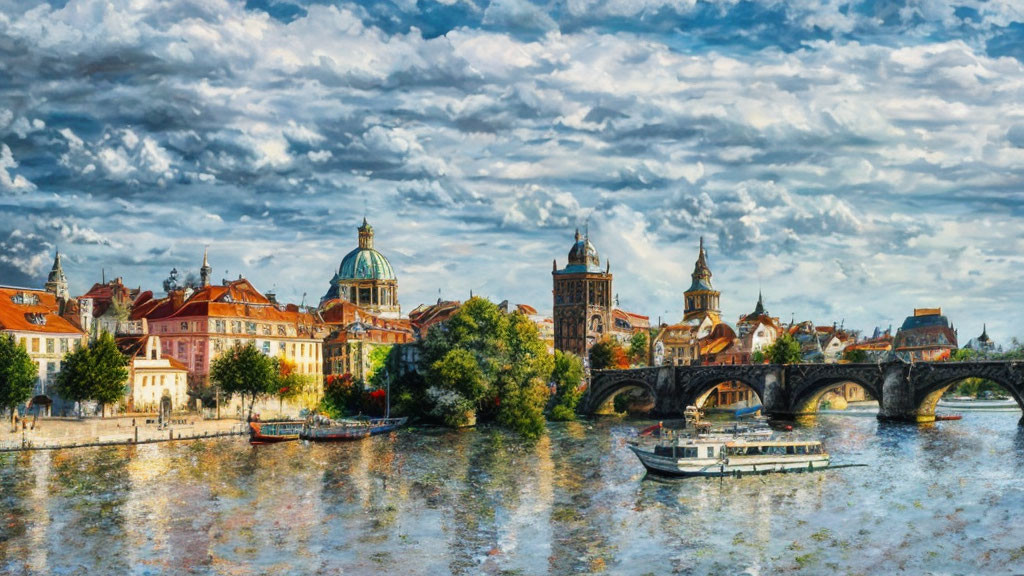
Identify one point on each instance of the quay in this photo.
(62, 433)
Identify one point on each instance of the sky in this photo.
(852, 160)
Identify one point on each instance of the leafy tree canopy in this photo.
(17, 373)
(244, 370)
(567, 376)
(638, 349)
(785, 350)
(97, 372)
(489, 362)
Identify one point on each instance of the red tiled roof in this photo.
(16, 316)
(526, 309)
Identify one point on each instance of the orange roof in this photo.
(237, 299)
(40, 314)
(426, 315)
(526, 309)
(715, 345)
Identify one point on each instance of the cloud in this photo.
(12, 183)
(813, 144)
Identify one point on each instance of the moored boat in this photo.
(273, 432)
(970, 404)
(337, 430)
(717, 456)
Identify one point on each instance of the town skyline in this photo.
(852, 164)
(311, 297)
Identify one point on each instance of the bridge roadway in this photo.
(905, 391)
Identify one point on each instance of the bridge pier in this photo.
(897, 402)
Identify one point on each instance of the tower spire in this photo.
(206, 271)
(56, 281)
(366, 235)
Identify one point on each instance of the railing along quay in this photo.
(36, 444)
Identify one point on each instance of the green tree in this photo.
(757, 357)
(522, 384)
(963, 355)
(17, 374)
(98, 371)
(459, 372)
(489, 364)
(244, 370)
(785, 350)
(855, 356)
(602, 355)
(638, 349)
(567, 377)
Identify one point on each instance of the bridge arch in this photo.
(698, 389)
(806, 398)
(608, 392)
(608, 383)
(930, 392)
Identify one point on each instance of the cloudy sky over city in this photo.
(853, 160)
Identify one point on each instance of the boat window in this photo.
(801, 449)
(711, 451)
(753, 451)
(789, 450)
(816, 449)
(691, 453)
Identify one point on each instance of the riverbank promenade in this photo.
(53, 433)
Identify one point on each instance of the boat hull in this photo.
(733, 466)
(350, 430)
(273, 432)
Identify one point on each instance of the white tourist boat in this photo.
(1000, 404)
(722, 456)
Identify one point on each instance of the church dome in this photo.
(584, 254)
(365, 263)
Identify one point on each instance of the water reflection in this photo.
(939, 499)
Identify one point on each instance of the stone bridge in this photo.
(905, 392)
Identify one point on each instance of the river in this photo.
(943, 499)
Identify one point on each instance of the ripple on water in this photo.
(936, 499)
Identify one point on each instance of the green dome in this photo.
(365, 264)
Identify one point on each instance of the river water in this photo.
(943, 499)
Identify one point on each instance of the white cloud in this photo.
(810, 139)
(9, 182)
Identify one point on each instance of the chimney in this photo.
(177, 299)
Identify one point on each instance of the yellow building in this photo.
(34, 318)
(156, 383)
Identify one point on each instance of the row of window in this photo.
(596, 293)
(235, 326)
(50, 345)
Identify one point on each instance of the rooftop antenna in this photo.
(103, 275)
(303, 305)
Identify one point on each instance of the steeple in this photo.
(365, 236)
(759, 309)
(205, 272)
(701, 298)
(56, 281)
(701, 272)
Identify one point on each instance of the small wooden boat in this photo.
(953, 416)
(273, 432)
(717, 456)
(336, 430)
